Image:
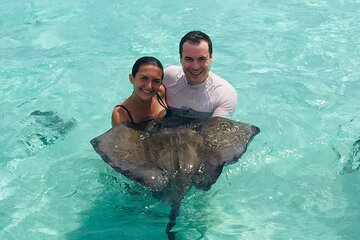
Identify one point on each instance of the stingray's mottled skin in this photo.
(169, 156)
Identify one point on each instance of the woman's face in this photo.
(147, 81)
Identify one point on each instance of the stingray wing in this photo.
(224, 142)
(227, 137)
(124, 150)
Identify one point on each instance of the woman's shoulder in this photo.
(162, 91)
(120, 114)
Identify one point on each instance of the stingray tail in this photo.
(174, 212)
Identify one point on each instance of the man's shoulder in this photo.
(216, 81)
(173, 69)
(220, 89)
(172, 74)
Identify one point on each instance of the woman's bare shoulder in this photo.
(162, 91)
(119, 115)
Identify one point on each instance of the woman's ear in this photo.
(131, 78)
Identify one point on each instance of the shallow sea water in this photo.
(295, 65)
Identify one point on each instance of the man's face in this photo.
(196, 62)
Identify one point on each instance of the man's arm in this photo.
(226, 103)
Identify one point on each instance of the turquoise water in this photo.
(295, 65)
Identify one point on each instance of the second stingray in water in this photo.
(170, 155)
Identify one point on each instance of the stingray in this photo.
(170, 155)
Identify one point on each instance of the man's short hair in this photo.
(195, 37)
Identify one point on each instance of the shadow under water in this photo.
(42, 128)
(353, 162)
(124, 209)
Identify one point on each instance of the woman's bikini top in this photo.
(161, 102)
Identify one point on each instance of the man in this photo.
(194, 88)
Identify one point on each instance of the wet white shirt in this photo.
(215, 95)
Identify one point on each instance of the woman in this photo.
(147, 101)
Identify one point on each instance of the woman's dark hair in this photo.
(195, 37)
(147, 60)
